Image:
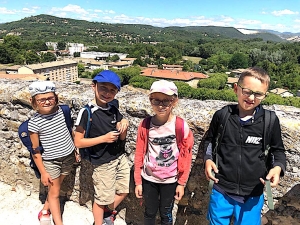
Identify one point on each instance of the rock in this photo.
(134, 105)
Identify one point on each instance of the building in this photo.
(172, 67)
(65, 71)
(191, 78)
(28, 77)
(75, 47)
(231, 81)
(101, 55)
(237, 72)
(282, 92)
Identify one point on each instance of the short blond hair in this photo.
(257, 73)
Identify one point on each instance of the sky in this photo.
(278, 15)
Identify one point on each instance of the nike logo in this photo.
(253, 140)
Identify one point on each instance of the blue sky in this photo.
(279, 15)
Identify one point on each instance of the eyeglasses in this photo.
(107, 90)
(164, 102)
(247, 92)
(43, 100)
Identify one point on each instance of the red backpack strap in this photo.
(179, 130)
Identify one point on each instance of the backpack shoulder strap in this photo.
(269, 121)
(89, 120)
(225, 113)
(68, 119)
(179, 130)
(223, 119)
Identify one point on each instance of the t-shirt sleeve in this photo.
(32, 126)
(82, 118)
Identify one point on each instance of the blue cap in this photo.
(108, 76)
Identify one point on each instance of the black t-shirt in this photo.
(103, 121)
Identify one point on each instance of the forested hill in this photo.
(50, 28)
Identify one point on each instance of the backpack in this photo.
(269, 119)
(25, 138)
(85, 152)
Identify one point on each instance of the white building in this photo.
(75, 47)
(101, 55)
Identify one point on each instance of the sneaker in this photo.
(109, 216)
(44, 217)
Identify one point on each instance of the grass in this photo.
(193, 59)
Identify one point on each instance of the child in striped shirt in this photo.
(55, 159)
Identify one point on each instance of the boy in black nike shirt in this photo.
(239, 178)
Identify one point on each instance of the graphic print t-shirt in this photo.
(160, 163)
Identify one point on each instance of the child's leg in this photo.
(104, 180)
(151, 200)
(249, 213)
(167, 193)
(98, 212)
(220, 209)
(53, 198)
(122, 181)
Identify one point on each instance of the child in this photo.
(55, 162)
(239, 179)
(106, 145)
(161, 166)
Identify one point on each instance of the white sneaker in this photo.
(44, 217)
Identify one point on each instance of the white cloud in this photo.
(70, 9)
(4, 10)
(27, 10)
(284, 12)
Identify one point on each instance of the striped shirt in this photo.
(53, 133)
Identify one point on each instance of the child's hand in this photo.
(209, 167)
(122, 125)
(77, 156)
(46, 179)
(273, 176)
(179, 192)
(111, 137)
(139, 191)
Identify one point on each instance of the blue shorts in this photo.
(221, 208)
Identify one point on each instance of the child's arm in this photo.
(81, 142)
(45, 177)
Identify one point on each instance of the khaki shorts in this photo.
(60, 166)
(110, 179)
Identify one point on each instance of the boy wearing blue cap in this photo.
(106, 142)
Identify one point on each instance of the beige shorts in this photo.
(110, 179)
(60, 166)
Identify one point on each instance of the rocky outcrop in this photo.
(14, 169)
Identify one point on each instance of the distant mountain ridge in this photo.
(51, 28)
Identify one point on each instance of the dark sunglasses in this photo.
(164, 102)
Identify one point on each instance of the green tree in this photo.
(61, 45)
(81, 69)
(31, 58)
(48, 57)
(238, 60)
(4, 55)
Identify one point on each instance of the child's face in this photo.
(250, 93)
(45, 103)
(162, 104)
(104, 93)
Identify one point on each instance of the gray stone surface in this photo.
(134, 104)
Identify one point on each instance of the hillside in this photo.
(51, 28)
